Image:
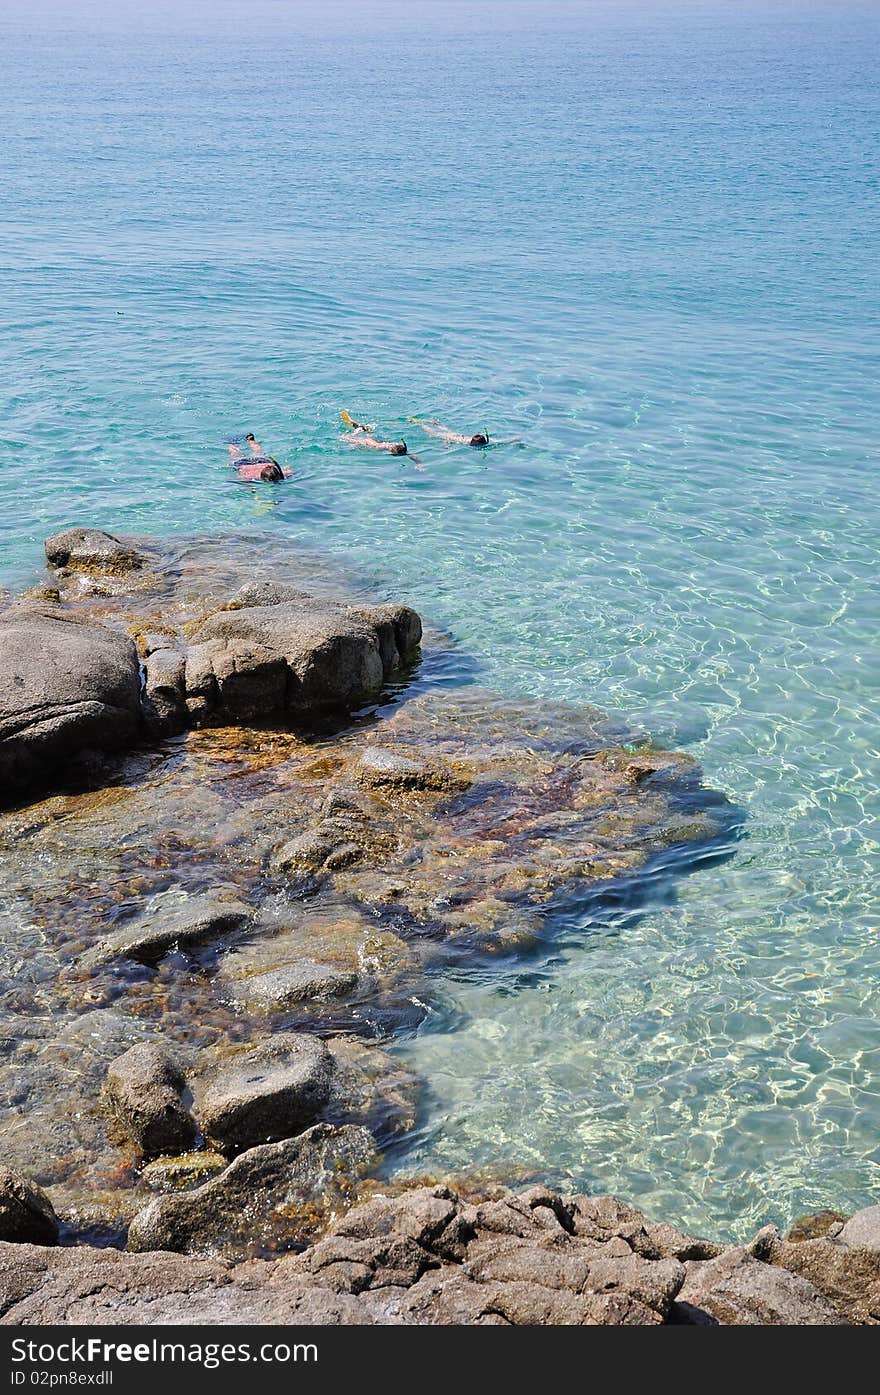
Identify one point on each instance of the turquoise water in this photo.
(645, 241)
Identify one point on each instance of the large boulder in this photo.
(26, 1213)
(272, 1092)
(66, 686)
(144, 1088)
(268, 1197)
(297, 659)
(89, 549)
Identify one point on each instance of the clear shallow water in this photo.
(647, 246)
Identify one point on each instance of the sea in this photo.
(638, 244)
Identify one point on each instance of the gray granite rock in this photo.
(165, 708)
(862, 1231)
(271, 1092)
(91, 549)
(298, 659)
(67, 687)
(144, 1088)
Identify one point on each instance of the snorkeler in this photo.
(362, 436)
(453, 438)
(256, 466)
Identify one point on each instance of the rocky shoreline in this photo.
(240, 830)
(429, 1257)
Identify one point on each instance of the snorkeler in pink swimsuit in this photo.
(256, 466)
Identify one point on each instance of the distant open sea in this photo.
(643, 238)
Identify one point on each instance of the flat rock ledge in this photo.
(428, 1257)
(162, 926)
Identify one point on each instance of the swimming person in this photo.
(393, 447)
(453, 438)
(362, 436)
(256, 466)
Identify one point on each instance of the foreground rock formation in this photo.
(427, 1256)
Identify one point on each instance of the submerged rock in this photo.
(379, 767)
(176, 1174)
(817, 1224)
(294, 983)
(144, 1089)
(170, 925)
(89, 549)
(26, 1213)
(322, 955)
(269, 1197)
(272, 1092)
(372, 1088)
(67, 687)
